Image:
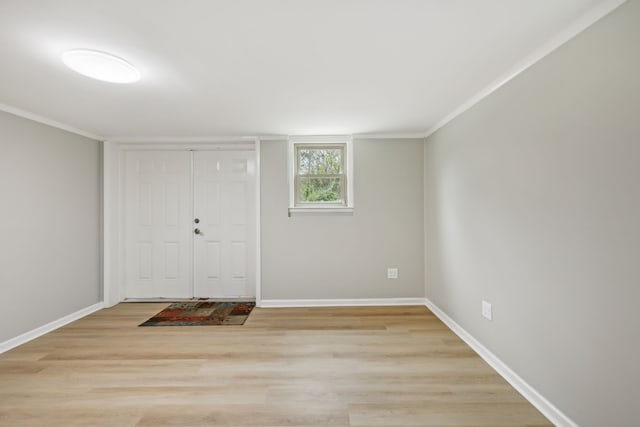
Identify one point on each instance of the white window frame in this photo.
(321, 208)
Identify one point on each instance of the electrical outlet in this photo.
(486, 310)
(392, 273)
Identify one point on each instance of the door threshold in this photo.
(234, 299)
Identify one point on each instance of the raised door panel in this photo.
(157, 206)
(224, 189)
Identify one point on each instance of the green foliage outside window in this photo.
(320, 190)
(320, 174)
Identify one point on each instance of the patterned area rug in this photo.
(199, 313)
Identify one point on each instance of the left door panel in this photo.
(157, 209)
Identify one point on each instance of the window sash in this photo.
(341, 181)
(318, 147)
(299, 178)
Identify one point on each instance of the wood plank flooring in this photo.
(348, 366)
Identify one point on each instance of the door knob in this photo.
(197, 231)
(197, 220)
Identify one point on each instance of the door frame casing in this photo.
(113, 206)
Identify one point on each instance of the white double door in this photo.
(190, 224)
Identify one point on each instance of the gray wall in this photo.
(532, 203)
(49, 224)
(337, 257)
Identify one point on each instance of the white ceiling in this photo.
(273, 67)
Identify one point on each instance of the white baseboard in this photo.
(557, 417)
(37, 332)
(273, 303)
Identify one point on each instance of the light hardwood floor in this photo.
(363, 366)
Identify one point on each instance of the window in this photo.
(321, 175)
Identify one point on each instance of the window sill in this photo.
(334, 211)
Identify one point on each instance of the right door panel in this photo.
(225, 208)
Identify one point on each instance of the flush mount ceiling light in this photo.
(101, 66)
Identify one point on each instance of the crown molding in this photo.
(410, 135)
(181, 139)
(46, 121)
(271, 137)
(576, 27)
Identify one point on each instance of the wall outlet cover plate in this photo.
(486, 310)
